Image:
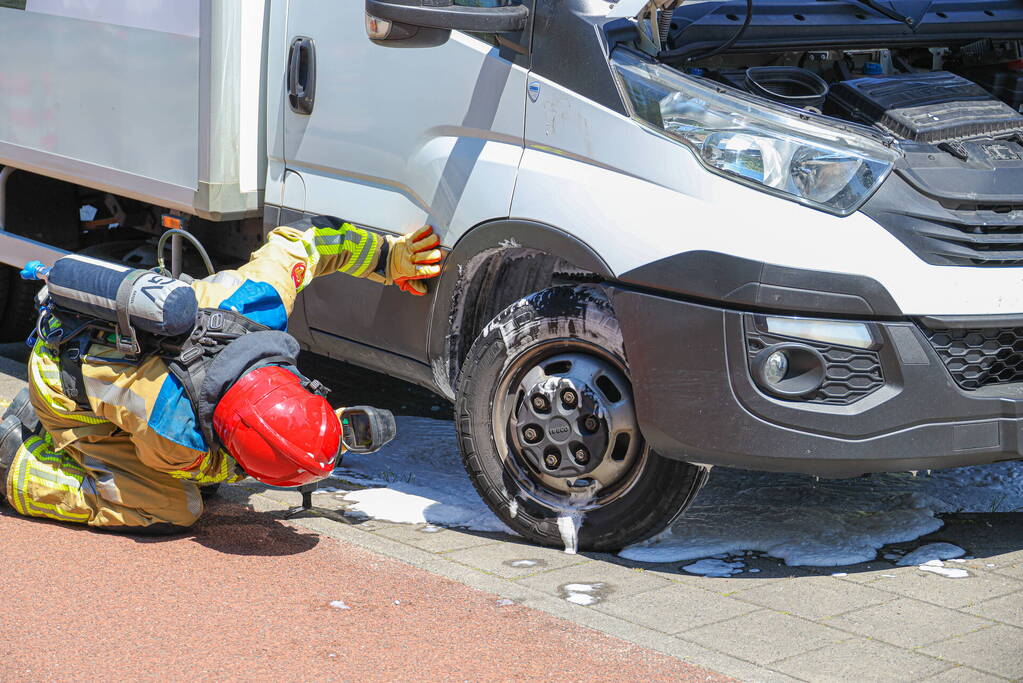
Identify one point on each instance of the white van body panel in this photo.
(398, 138)
(635, 196)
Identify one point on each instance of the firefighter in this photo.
(125, 441)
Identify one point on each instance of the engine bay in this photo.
(937, 96)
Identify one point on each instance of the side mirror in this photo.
(428, 23)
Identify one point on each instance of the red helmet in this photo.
(279, 432)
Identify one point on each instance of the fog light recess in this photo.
(789, 370)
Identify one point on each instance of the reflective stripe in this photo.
(114, 395)
(374, 247)
(44, 374)
(201, 474)
(194, 498)
(36, 450)
(356, 252)
(20, 466)
(330, 241)
(103, 477)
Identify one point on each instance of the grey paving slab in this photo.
(1007, 609)
(1013, 572)
(997, 650)
(962, 674)
(815, 597)
(861, 661)
(434, 538)
(766, 636)
(860, 573)
(908, 623)
(615, 582)
(939, 590)
(513, 560)
(740, 669)
(1004, 559)
(676, 608)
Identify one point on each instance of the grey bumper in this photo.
(696, 401)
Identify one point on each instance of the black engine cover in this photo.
(930, 107)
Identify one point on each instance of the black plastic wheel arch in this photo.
(488, 239)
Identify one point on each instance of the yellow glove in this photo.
(413, 258)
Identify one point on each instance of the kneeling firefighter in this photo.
(144, 388)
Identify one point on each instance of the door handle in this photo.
(302, 75)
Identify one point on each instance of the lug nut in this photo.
(591, 423)
(531, 433)
(569, 398)
(581, 455)
(540, 403)
(552, 459)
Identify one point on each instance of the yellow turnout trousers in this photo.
(100, 483)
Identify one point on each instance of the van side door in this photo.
(393, 139)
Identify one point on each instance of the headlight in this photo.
(788, 152)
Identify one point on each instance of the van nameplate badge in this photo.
(534, 91)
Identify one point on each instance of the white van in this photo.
(773, 234)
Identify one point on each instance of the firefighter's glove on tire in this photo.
(413, 258)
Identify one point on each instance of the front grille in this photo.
(980, 357)
(985, 237)
(949, 228)
(850, 374)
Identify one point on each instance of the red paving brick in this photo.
(246, 596)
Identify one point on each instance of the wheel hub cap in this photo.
(574, 423)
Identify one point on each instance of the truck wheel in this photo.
(548, 430)
(19, 313)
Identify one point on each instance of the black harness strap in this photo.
(214, 330)
(72, 381)
(192, 359)
(127, 341)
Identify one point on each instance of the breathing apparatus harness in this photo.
(146, 313)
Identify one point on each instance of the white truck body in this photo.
(157, 100)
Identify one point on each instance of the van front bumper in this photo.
(696, 400)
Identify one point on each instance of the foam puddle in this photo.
(419, 479)
(930, 553)
(937, 567)
(584, 594)
(717, 568)
(416, 479)
(830, 522)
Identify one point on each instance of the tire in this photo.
(562, 327)
(19, 313)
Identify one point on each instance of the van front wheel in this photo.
(548, 430)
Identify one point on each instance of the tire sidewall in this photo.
(576, 314)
